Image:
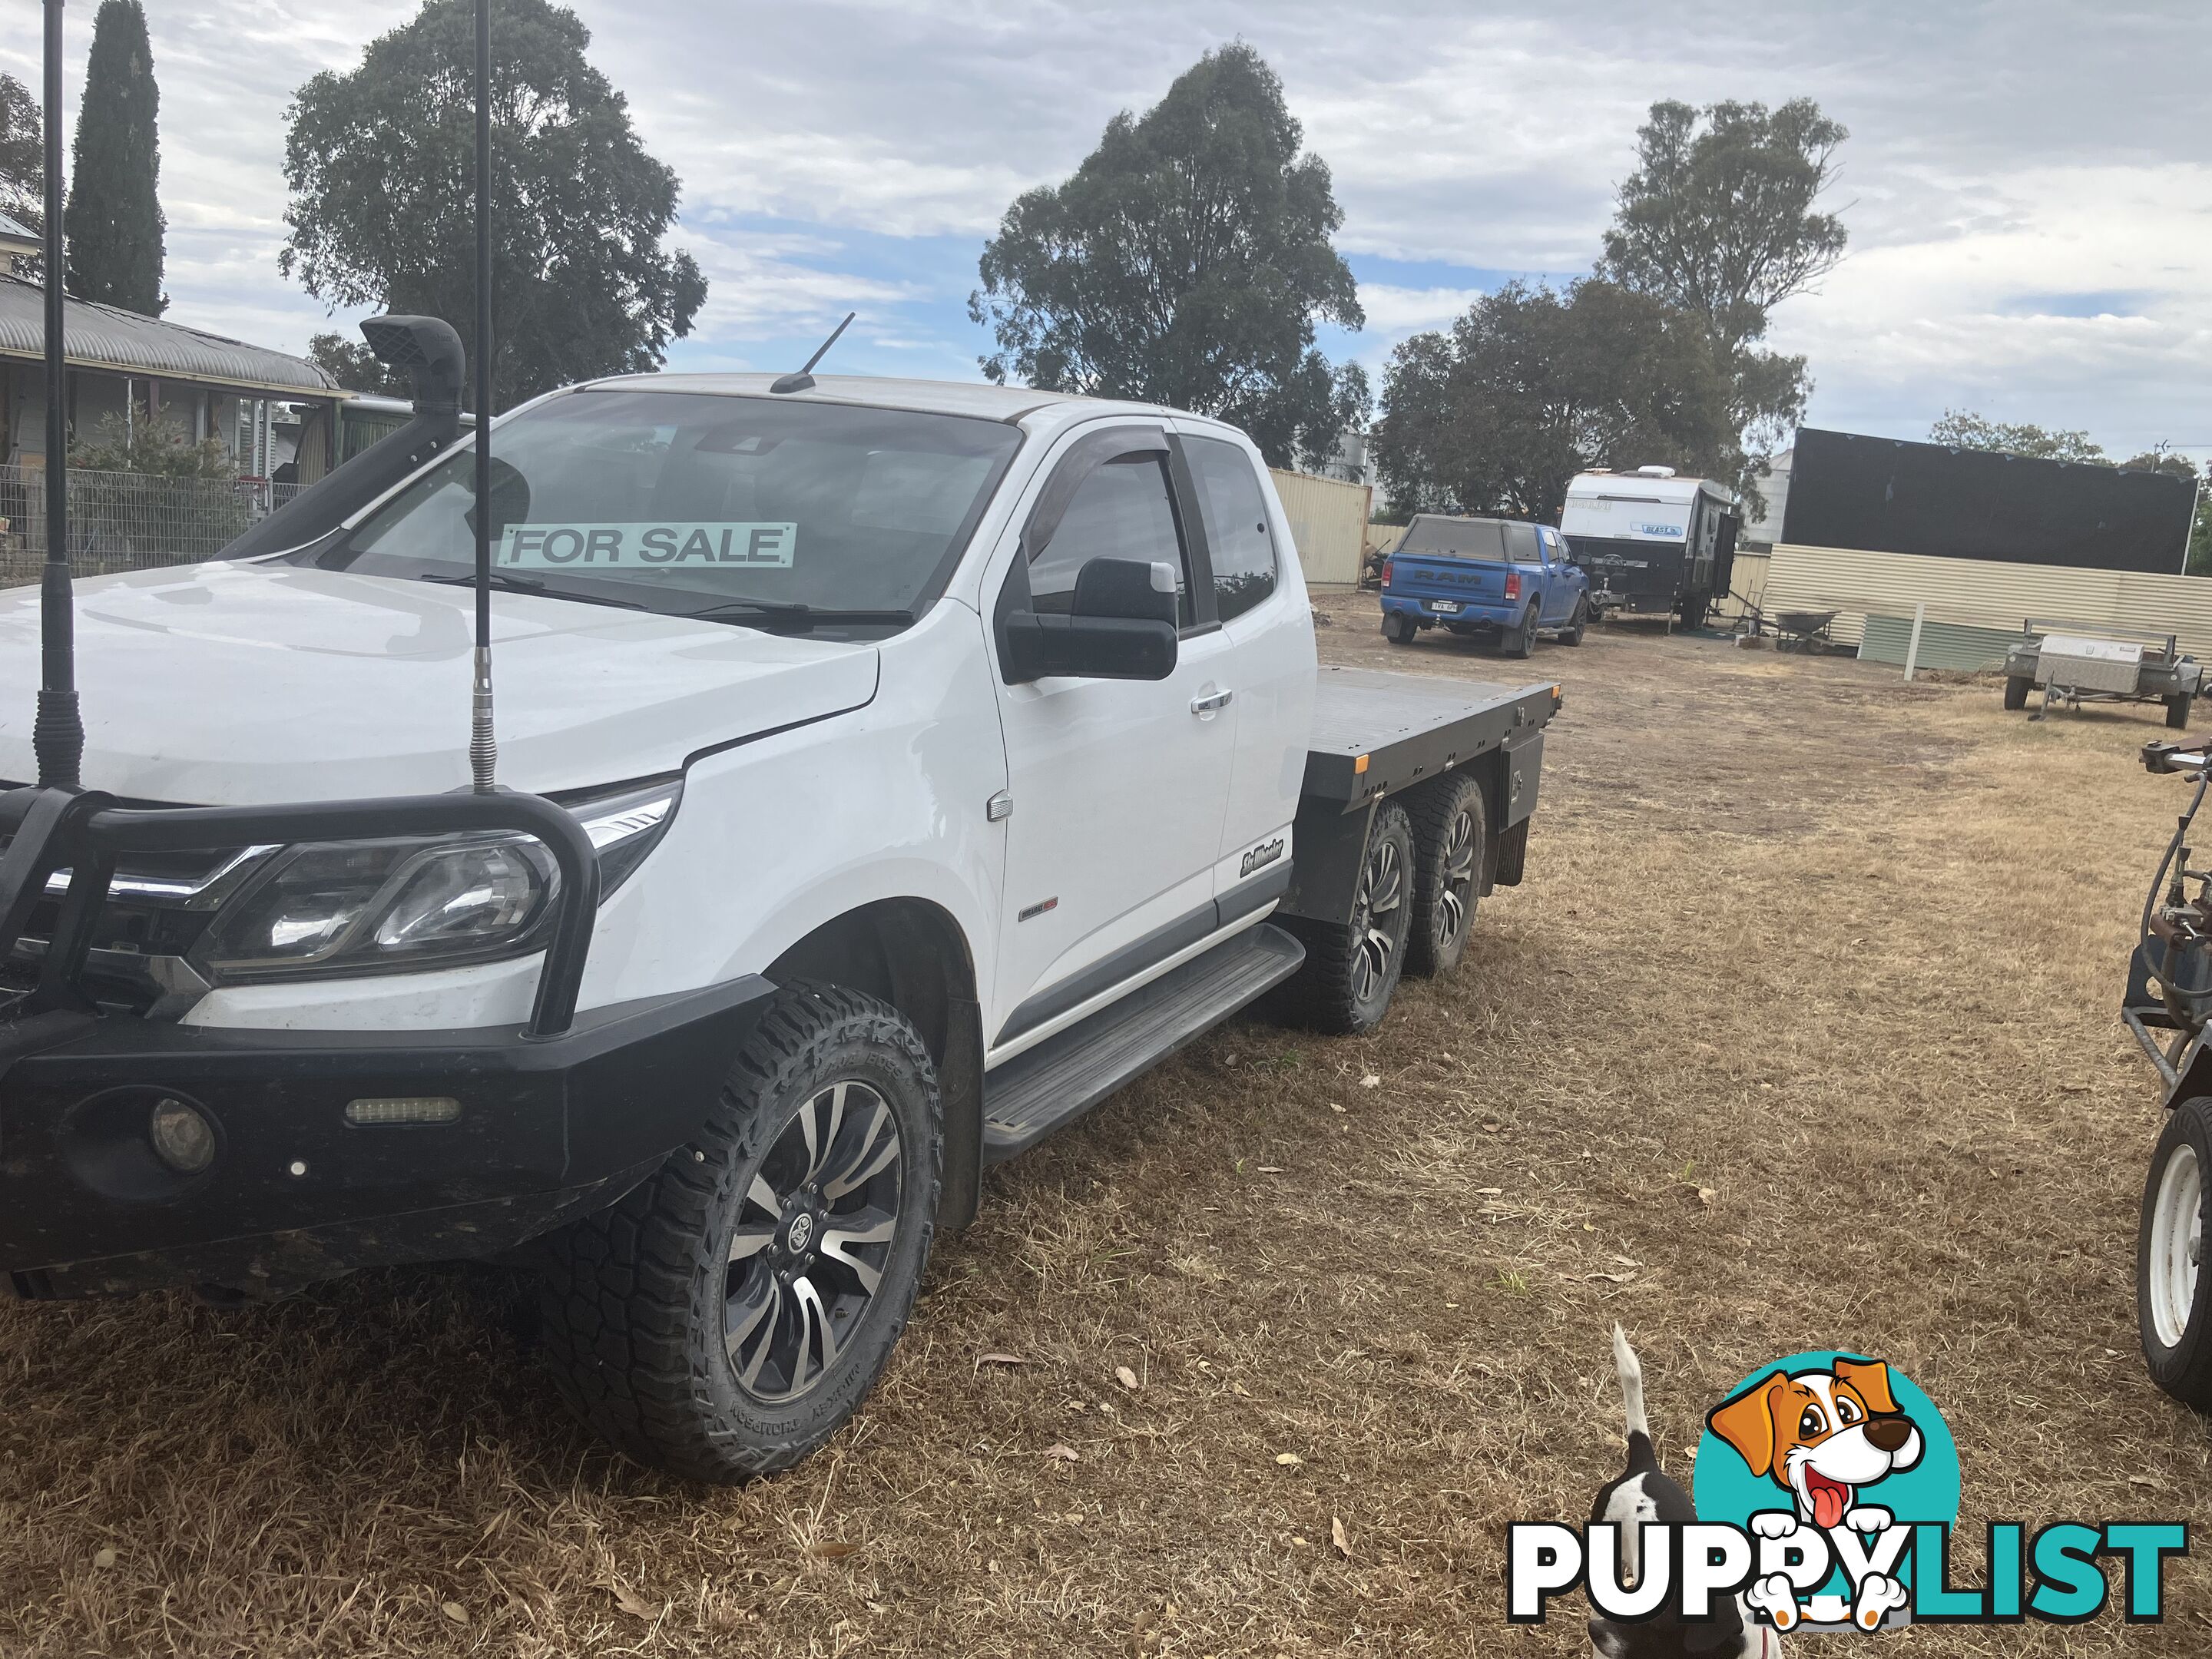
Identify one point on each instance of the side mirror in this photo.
(1120, 626)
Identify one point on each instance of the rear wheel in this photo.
(1693, 611)
(2017, 690)
(724, 1319)
(1577, 625)
(2171, 1294)
(1522, 641)
(1449, 833)
(2177, 711)
(1352, 967)
(1398, 627)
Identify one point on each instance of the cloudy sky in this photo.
(2026, 185)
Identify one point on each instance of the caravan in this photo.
(1653, 544)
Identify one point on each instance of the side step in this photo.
(1065, 1076)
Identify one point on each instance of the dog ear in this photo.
(1607, 1640)
(1871, 1379)
(1747, 1423)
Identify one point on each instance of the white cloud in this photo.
(2004, 162)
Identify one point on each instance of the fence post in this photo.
(1912, 649)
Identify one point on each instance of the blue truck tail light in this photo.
(1512, 584)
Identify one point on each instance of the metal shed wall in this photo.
(1943, 645)
(1328, 522)
(1983, 593)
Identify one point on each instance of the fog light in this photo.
(404, 1108)
(182, 1137)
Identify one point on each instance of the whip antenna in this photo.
(484, 746)
(58, 733)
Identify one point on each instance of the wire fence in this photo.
(127, 520)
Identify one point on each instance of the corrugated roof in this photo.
(124, 342)
(15, 230)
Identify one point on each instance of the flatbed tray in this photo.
(1374, 733)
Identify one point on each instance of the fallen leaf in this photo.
(983, 1360)
(632, 1603)
(1490, 1126)
(1288, 1458)
(1270, 1169)
(1338, 1536)
(2145, 1481)
(1371, 1081)
(1611, 1279)
(454, 1610)
(1064, 1454)
(1125, 1377)
(1490, 1192)
(103, 1559)
(1333, 1107)
(1706, 1195)
(1628, 1261)
(828, 1552)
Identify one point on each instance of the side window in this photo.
(1520, 543)
(1237, 536)
(1124, 510)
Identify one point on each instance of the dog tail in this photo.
(1632, 1384)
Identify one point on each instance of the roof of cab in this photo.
(1010, 403)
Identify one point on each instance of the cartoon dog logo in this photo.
(1824, 1437)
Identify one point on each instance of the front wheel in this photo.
(724, 1319)
(1577, 625)
(2177, 711)
(2170, 1295)
(1352, 967)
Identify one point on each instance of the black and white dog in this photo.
(1643, 1495)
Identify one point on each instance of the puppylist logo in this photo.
(1826, 1492)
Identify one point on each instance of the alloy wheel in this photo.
(1455, 895)
(813, 1233)
(1382, 890)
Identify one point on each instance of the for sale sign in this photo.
(657, 546)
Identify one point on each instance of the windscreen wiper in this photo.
(507, 581)
(791, 613)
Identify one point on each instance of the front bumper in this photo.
(548, 1128)
(1471, 612)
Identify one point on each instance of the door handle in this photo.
(1207, 704)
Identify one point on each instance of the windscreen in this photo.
(678, 502)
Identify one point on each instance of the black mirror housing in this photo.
(1126, 587)
(1090, 647)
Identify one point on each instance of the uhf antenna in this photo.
(58, 733)
(484, 746)
(803, 380)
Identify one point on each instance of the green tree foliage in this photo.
(1532, 386)
(355, 367)
(1962, 429)
(22, 165)
(160, 448)
(382, 160)
(114, 223)
(1720, 219)
(1186, 262)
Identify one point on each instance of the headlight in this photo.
(337, 908)
(369, 906)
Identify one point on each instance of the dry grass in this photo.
(1843, 954)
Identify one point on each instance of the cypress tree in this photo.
(114, 223)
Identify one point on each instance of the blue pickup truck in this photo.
(1494, 577)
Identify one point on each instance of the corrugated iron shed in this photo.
(116, 342)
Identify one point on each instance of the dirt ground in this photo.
(1801, 1034)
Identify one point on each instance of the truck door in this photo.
(1117, 787)
(1260, 597)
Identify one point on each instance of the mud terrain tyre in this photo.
(2173, 1298)
(724, 1318)
(1449, 830)
(1351, 968)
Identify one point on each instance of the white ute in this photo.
(951, 754)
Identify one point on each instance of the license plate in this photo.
(1444, 607)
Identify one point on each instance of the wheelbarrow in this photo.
(1803, 627)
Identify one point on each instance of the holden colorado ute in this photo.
(892, 770)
